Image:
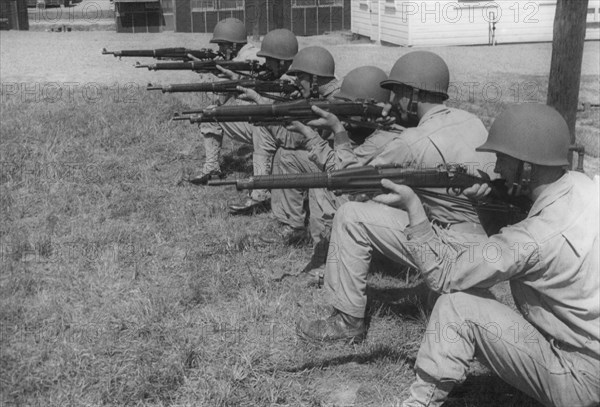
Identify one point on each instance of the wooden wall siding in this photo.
(410, 23)
(593, 21)
(361, 18)
(394, 25)
(530, 25)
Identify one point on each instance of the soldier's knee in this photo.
(349, 212)
(458, 304)
(288, 161)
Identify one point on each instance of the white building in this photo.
(461, 22)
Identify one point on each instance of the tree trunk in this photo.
(567, 55)
(256, 17)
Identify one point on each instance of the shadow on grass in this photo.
(380, 353)
(406, 302)
(238, 161)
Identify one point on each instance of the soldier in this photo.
(314, 69)
(550, 350)
(419, 82)
(278, 48)
(360, 84)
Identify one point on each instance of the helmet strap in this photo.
(314, 87)
(228, 54)
(413, 105)
(235, 49)
(522, 179)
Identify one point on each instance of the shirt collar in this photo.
(554, 191)
(434, 111)
(327, 90)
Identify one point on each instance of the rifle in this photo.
(254, 67)
(497, 210)
(178, 53)
(260, 86)
(360, 112)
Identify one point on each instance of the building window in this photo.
(203, 5)
(167, 6)
(304, 3)
(231, 4)
(334, 3)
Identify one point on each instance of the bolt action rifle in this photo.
(362, 113)
(260, 86)
(497, 210)
(178, 53)
(246, 68)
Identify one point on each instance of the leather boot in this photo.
(311, 278)
(338, 327)
(250, 207)
(203, 177)
(287, 235)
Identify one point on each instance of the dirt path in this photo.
(75, 56)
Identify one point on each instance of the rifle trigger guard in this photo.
(454, 191)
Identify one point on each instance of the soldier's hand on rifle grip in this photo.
(328, 121)
(193, 58)
(248, 94)
(477, 191)
(402, 197)
(302, 130)
(386, 118)
(228, 73)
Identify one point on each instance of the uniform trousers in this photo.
(358, 229)
(469, 324)
(288, 204)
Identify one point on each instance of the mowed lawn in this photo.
(120, 285)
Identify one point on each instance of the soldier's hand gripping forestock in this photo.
(496, 211)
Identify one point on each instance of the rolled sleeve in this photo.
(448, 266)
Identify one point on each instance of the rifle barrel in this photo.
(218, 183)
(180, 118)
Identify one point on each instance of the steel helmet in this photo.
(530, 132)
(315, 61)
(279, 44)
(230, 30)
(421, 70)
(363, 83)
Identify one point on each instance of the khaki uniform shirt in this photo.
(346, 154)
(550, 258)
(248, 53)
(444, 136)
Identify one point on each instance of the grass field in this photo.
(121, 286)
